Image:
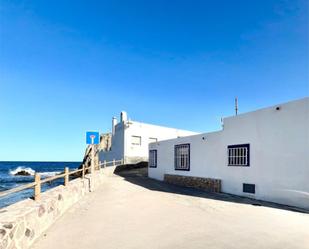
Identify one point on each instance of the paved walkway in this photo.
(142, 213)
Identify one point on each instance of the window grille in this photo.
(239, 155)
(182, 157)
(153, 158)
(136, 140)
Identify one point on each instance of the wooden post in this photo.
(66, 176)
(92, 159)
(37, 187)
(83, 172)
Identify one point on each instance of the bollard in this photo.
(114, 163)
(37, 187)
(104, 163)
(66, 176)
(83, 172)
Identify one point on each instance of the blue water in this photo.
(46, 169)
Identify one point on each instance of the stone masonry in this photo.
(207, 184)
(25, 221)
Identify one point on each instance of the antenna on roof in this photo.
(236, 106)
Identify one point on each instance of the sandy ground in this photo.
(136, 212)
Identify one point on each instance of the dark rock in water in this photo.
(22, 173)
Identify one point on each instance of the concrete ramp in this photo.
(131, 211)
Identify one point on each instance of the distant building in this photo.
(129, 140)
(262, 154)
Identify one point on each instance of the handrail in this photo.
(52, 178)
(38, 181)
(111, 162)
(17, 189)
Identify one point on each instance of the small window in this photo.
(239, 155)
(153, 140)
(248, 188)
(136, 140)
(153, 158)
(182, 157)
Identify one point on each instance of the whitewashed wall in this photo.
(279, 154)
(117, 148)
(122, 146)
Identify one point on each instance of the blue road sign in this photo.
(92, 137)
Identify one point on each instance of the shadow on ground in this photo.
(139, 175)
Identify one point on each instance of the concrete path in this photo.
(142, 213)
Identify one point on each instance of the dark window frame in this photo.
(238, 146)
(140, 140)
(155, 140)
(175, 158)
(248, 188)
(156, 158)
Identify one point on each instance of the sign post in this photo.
(92, 138)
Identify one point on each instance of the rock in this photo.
(41, 211)
(4, 243)
(8, 225)
(22, 173)
(2, 233)
(207, 184)
(28, 231)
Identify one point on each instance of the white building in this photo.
(262, 154)
(129, 140)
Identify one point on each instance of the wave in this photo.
(49, 174)
(31, 172)
(22, 169)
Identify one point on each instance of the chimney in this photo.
(236, 106)
(123, 116)
(114, 122)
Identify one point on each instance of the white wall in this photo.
(122, 146)
(136, 153)
(117, 147)
(279, 154)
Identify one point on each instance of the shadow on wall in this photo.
(139, 175)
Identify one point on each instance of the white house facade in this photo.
(129, 140)
(262, 154)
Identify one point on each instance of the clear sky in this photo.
(68, 66)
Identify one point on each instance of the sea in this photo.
(9, 179)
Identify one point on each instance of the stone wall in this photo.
(208, 184)
(23, 222)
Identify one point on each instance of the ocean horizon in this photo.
(9, 179)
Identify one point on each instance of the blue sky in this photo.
(68, 66)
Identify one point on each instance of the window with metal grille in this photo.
(136, 140)
(182, 157)
(239, 155)
(153, 158)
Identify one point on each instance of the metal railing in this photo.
(66, 175)
(111, 163)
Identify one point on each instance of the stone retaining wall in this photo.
(23, 222)
(208, 184)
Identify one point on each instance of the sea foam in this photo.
(20, 169)
(32, 172)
